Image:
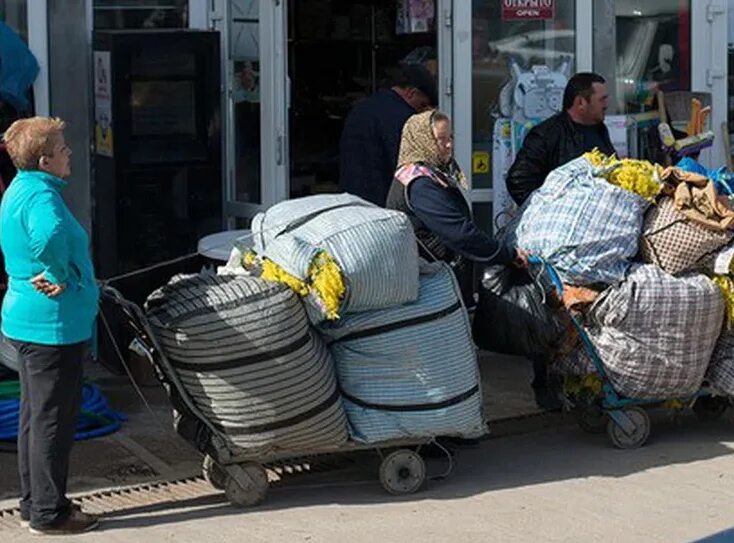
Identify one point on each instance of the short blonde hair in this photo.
(27, 140)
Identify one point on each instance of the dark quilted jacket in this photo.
(552, 143)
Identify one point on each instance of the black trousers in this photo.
(50, 398)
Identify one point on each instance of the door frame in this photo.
(709, 67)
(37, 17)
(273, 108)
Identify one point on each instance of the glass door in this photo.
(254, 105)
(511, 62)
(363, 42)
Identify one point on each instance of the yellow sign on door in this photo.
(480, 162)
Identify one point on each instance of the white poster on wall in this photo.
(617, 126)
(102, 104)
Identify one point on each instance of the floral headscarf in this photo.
(419, 154)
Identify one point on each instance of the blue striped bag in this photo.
(375, 248)
(410, 371)
(587, 228)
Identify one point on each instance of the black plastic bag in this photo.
(518, 316)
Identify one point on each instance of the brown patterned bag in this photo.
(674, 242)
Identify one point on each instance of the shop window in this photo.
(533, 49)
(652, 44)
(362, 41)
(14, 13)
(130, 14)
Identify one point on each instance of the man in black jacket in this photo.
(555, 141)
(370, 141)
(562, 137)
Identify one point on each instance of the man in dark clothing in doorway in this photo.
(562, 137)
(370, 140)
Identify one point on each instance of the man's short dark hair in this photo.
(581, 84)
(407, 75)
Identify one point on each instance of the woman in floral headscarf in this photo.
(428, 187)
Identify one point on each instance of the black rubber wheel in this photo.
(639, 434)
(402, 472)
(591, 419)
(214, 474)
(709, 408)
(249, 488)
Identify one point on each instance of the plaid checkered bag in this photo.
(655, 333)
(675, 243)
(720, 374)
(587, 228)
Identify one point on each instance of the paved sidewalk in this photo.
(554, 485)
(147, 448)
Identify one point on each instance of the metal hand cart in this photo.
(625, 420)
(242, 476)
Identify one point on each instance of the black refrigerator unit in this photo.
(157, 185)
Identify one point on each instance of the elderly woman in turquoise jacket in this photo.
(48, 315)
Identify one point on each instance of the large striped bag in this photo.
(655, 333)
(375, 248)
(587, 228)
(410, 371)
(244, 351)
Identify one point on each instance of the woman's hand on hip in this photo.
(43, 285)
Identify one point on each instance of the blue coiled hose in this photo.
(96, 418)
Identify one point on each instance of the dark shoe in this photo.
(25, 522)
(76, 523)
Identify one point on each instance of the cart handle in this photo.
(545, 267)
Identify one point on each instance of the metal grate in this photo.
(106, 502)
(133, 497)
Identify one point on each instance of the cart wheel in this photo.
(214, 474)
(591, 419)
(402, 472)
(709, 408)
(638, 436)
(249, 487)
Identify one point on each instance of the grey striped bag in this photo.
(374, 247)
(245, 353)
(655, 333)
(410, 371)
(720, 374)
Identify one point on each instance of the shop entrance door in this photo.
(500, 47)
(254, 94)
(343, 51)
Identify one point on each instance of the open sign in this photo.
(514, 10)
